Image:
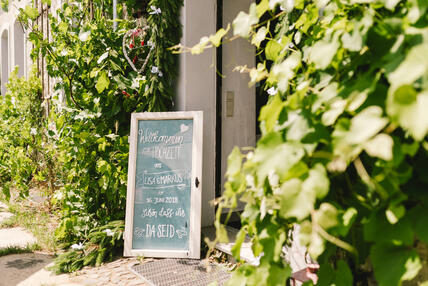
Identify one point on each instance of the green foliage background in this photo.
(344, 143)
(88, 124)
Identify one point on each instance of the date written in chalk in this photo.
(162, 200)
(163, 212)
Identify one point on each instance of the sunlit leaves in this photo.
(242, 25)
(343, 145)
(322, 53)
(103, 82)
(380, 146)
(259, 36)
(413, 67)
(408, 108)
(31, 12)
(281, 73)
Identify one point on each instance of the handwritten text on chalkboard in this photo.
(162, 184)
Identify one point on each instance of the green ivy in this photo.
(25, 147)
(344, 146)
(95, 92)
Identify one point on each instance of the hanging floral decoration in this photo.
(135, 47)
(146, 49)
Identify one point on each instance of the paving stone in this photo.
(3, 207)
(17, 268)
(5, 215)
(89, 282)
(16, 236)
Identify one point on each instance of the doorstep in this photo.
(294, 254)
(246, 252)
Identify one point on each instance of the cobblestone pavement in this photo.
(114, 273)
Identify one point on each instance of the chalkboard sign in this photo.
(163, 205)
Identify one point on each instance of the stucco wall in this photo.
(197, 89)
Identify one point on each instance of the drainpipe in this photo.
(114, 15)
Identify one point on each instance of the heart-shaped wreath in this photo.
(134, 46)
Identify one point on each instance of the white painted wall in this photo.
(197, 89)
(4, 58)
(238, 129)
(13, 43)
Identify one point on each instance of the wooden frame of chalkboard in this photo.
(160, 221)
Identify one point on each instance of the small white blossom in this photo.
(77, 246)
(160, 74)
(33, 131)
(155, 11)
(109, 232)
(272, 91)
(155, 69)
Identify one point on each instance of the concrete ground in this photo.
(31, 269)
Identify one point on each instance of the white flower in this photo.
(155, 11)
(160, 74)
(77, 246)
(150, 44)
(272, 91)
(33, 131)
(155, 69)
(109, 232)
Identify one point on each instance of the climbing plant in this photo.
(344, 148)
(96, 89)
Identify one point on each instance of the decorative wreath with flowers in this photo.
(146, 49)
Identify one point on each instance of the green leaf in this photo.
(240, 276)
(410, 115)
(343, 275)
(221, 233)
(103, 82)
(216, 39)
(352, 41)
(380, 146)
(390, 4)
(346, 221)
(412, 67)
(363, 126)
(281, 73)
(270, 112)
(236, 249)
(323, 52)
(317, 181)
(294, 200)
(259, 36)
(31, 12)
(242, 25)
(234, 162)
(419, 219)
(327, 216)
(273, 50)
(394, 264)
(400, 233)
(278, 159)
(395, 213)
(262, 7)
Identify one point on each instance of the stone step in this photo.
(16, 236)
(295, 255)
